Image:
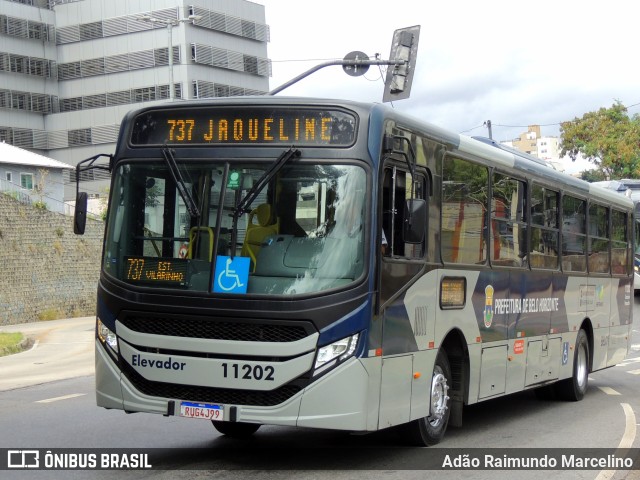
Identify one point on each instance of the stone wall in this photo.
(46, 271)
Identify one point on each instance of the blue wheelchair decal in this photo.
(231, 275)
(565, 353)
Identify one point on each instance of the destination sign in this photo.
(171, 271)
(229, 126)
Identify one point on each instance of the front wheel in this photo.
(574, 388)
(430, 430)
(236, 429)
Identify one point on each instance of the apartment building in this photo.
(533, 143)
(71, 69)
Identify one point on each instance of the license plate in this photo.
(207, 411)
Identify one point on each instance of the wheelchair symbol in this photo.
(231, 275)
(226, 275)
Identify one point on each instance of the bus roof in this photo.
(491, 151)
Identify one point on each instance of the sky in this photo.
(515, 63)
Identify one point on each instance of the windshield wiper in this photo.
(188, 200)
(250, 196)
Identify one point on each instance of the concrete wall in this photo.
(46, 272)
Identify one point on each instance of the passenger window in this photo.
(573, 234)
(619, 243)
(598, 239)
(545, 232)
(508, 245)
(465, 188)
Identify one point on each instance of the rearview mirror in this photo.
(415, 220)
(80, 214)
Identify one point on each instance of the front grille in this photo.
(210, 394)
(245, 331)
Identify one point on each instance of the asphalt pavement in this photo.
(61, 349)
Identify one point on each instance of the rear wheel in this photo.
(236, 429)
(430, 430)
(574, 388)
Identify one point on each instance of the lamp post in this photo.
(170, 23)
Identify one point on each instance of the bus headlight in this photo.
(330, 355)
(107, 338)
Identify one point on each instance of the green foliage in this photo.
(40, 205)
(609, 138)
(50, 314)
(593, 175)
(10, 343)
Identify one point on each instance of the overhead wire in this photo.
(539, 124)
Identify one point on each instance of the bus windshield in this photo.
(303, 232)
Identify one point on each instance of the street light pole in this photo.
(170, 23)
(172, 93)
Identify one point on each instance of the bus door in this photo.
(400, 263)
(523, 259)
(542, 322)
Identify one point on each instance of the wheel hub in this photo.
(439, 398)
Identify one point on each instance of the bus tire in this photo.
(430, 430)
(573, 389)
(236, 429)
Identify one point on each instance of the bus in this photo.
(340, 265)
(630, 188)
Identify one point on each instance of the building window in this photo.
(81, 136)
(26, 181)
(250, 64)
(19, 101)
(248, 29)
(9, 177)
(144, 94)
(18, 63)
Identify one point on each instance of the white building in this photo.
(32, 178)
(545, 148)
(71, 69)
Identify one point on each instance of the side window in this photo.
(508, 244)
(465, 187)
(598, 239)
(619, 242)
(573, 234)
(396, 190)
(545, 231)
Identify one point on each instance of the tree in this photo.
(609, 138)
(40, 188)
(592, 176)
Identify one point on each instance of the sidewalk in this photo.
(62, 349)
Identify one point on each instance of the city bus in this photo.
(630, 188)
(341, 265)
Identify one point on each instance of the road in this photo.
(62, 349)
(61, 413)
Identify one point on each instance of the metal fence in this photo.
(29, 197)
